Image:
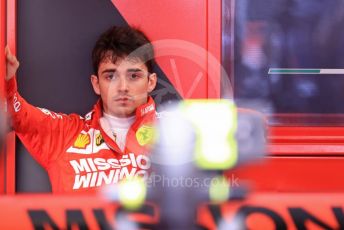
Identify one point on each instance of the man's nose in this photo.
(122, 84)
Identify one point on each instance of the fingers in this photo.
(7, 49)
(10, 57)
(12, 64)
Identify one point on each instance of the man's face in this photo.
(123, 86)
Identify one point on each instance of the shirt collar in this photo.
(141, 111)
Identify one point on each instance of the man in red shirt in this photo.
(112, 141)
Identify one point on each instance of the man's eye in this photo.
(109, 76)
(134, 76)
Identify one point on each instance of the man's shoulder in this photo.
(59, 116)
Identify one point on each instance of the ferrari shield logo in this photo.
(99, 139)
(145, 135)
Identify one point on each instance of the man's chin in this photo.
(122, 109)
(124, 112)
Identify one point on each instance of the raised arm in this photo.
(44, 133)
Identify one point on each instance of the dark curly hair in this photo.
(120, 42)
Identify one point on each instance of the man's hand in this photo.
(12, 64)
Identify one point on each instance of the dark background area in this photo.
(289, 34)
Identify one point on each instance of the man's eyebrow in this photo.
(108, 71)
(135, 70)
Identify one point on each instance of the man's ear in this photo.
(152, 80)
(95, 84)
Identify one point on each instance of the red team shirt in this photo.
(75, 151)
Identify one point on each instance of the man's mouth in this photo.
(123, 99)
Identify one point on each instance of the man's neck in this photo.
(119, 122)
